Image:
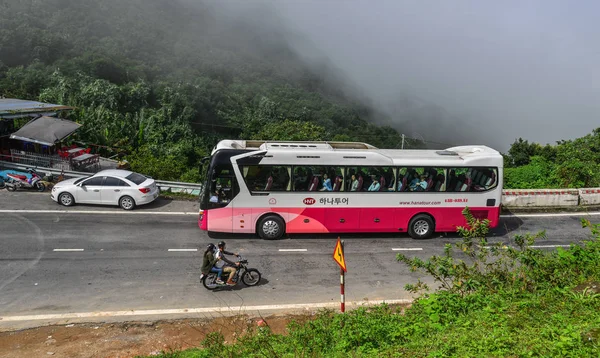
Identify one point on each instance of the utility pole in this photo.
(402, 141)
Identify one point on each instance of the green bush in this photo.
(568, 164)
(538, 174)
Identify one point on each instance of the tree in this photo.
(521, 151)
(288, 130)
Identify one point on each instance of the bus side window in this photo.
(378, 179)
(280, 175)
(336, 177)
(266, 177)
(411, 179)
(302, 175)
(483, 179)
(471, 179)
(357, 179)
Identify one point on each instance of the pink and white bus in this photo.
(273, 188)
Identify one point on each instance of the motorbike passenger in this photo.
(225, 264)
(209, 261)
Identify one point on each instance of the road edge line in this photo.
(173, 311)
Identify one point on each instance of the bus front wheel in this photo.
(421, 227)
(271, 227)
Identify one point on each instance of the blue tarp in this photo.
(4, 172)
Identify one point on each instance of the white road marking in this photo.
(408, 249)
(293, 250)
(183, 249)
(105, 212)
(551, 215)
(67, 250)
(235, 310)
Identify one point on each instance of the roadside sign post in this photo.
(338, 256)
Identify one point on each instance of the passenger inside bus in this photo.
(419, 184)
(326, 183)
(382, 182)
(375, 185)
(217, 196)
(354, 183)
(269, 183)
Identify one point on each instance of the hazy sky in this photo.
(510, 68)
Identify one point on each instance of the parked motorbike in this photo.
(20, 181)
(249, 276)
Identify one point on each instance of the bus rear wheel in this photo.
(421, 227)
(271, 227)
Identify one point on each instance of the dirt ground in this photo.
(129, 339)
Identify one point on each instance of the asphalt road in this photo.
(116, 260)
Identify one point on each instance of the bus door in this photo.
(223, 188)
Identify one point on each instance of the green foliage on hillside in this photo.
(568, 164)
(165, 80)
(495, 300)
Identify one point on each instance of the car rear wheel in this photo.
(66, 199)
(127, 203)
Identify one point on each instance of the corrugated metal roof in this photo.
(46, 130)
(11, 108)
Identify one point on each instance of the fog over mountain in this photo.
(460, 71)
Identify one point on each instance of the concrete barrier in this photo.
(540, 198)
(589, 196)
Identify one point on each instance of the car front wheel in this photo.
(66, 199)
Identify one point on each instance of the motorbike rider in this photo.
(225, 264)
(208, 263)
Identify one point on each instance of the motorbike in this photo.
(21, 181)
(249, 276)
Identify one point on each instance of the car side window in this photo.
(97, 181)
(110, 181)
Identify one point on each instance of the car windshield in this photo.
(79, 180)
(136, 178)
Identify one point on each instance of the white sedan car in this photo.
(108, 187)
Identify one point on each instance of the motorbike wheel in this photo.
(209, 281)
(2, 184)
(40, 186)
(11, 187)
(251, 277)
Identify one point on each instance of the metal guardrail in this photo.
(190, 188)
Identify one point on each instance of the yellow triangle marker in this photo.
(338, 255)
